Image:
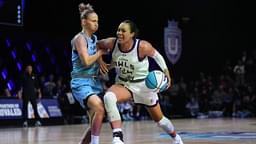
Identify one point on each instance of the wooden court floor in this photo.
(193, 131)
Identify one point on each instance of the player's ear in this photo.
(133, 34)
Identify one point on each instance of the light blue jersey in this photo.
(85, 80)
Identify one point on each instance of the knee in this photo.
(109, 97)
(163, 121)
(99, 108)
(111, 107)
(166, 125)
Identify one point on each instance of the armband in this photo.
(159, 60)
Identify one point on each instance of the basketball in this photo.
(156, 80)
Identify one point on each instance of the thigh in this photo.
(143, 95)
(81, 90)
(122, 93)
(94, 103)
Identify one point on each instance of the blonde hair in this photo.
(85, 10)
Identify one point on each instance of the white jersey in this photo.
(129, 67)
(131, 73)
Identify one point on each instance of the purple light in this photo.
(47, 50)
(19, 66)
(29, 45)
(39, 68)
(4, 73)
(10, 85)
(13, 54)
(2, 3)
(8, 42)
(33, 57)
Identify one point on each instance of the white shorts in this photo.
(141, 94)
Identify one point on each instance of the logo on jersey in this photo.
(172, 41)
(126, 70)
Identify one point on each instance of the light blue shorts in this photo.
(82, 88)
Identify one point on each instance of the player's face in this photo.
(91, 23)
(29, 69)
(124, 33)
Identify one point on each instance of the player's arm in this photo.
(105, 44)
(146, 49)
(81, 47)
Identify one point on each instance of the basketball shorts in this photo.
(82, 88)
(141, 94)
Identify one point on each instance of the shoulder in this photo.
(144, 44)
(145, 48)
(78, 35)
(79, 39)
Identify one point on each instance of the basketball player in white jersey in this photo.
(130, 59)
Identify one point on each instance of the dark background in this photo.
(213, 31)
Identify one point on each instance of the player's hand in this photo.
(167, 74)
(169, 82)
(166, 86)
(103, 68)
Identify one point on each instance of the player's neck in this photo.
(127, 46)
(88, 34)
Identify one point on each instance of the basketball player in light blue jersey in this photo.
(85, 84)
(130, 59)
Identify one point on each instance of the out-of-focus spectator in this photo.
(4, 91)
(49, 87)
(239, 71)
(216, 101)
(228, 102)
(193, 107)
(60, 88)
(126, 110)
(42, 80)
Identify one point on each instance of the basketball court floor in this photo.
(193, 131)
